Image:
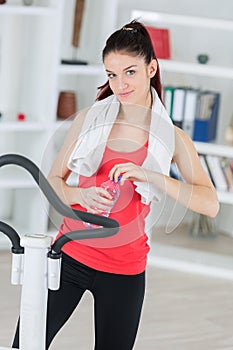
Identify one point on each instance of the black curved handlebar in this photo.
(109, 226)
(13, 236)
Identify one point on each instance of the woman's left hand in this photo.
(129, 171)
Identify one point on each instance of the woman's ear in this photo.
(152, 68)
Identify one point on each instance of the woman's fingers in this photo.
(96, 199)
(119, 170)
(128, 171)
(105, 195)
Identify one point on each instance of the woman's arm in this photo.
(196, 193)
(59, 171)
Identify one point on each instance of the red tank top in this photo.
(125, 252)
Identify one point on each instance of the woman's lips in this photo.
(125, 94)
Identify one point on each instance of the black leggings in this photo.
(118, 302)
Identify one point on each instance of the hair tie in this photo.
(132, 30)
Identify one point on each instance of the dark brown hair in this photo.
(133, 39)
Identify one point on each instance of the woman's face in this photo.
(129, 77)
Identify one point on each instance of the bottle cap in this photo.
(119, 178)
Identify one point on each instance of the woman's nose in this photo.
(122, 83)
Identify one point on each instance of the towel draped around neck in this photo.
(89, 149)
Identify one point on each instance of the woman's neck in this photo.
(136, 113)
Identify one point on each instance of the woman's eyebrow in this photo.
(132, 66)
(129, 67)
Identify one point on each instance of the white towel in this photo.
(89, 149)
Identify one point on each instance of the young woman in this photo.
(126, 132)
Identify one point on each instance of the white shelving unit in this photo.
(33, 40)
(84, 79)
(189, 68)
(183, 68)
(29, 38)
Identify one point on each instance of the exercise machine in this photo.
(36, 260)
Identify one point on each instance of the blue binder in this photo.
(205, 129)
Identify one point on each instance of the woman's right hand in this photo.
(95, 199)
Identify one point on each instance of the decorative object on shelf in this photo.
(67, 105)
(229, 133)
(203, 58)
(161, 41)
(28, 2)
(21, 117)
(78, 16)
(203, 226)
(2, 2)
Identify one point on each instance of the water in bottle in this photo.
(113, 189)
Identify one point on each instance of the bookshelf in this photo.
(33, 40)
(184, 70)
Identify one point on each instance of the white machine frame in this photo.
(36, 262)
(36, 272)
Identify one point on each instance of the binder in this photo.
(190, 108)
(205, 124)
(168, 99)
(178, 106)
(227, 171)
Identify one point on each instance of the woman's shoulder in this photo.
(76, 125)
(81, 115)
(180, 134)
(183, 142)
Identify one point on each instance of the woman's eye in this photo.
(130, 72)
(111, 75)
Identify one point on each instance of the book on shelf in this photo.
(160, 38)
(219, 170)
(228, 172)
(214, 166)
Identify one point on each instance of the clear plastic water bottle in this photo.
(113, 189)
